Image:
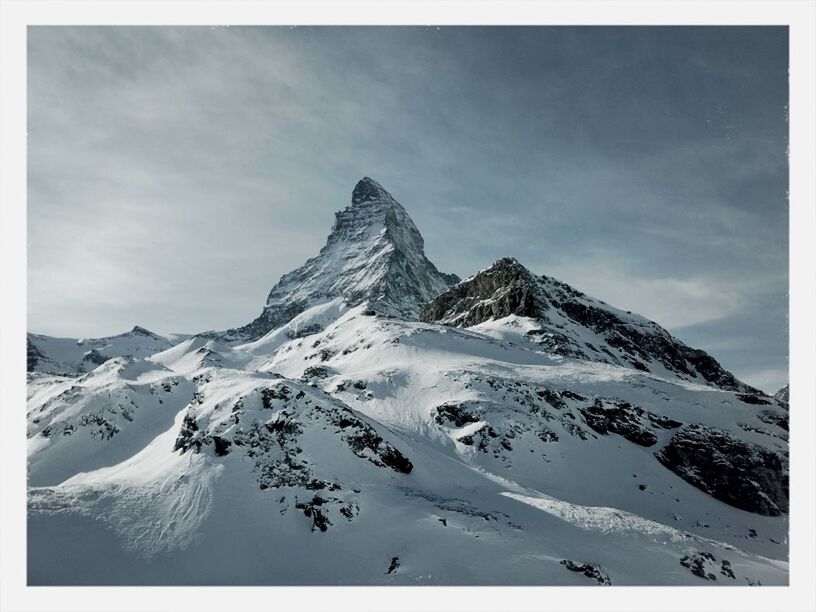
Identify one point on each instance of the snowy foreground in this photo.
(505, 441)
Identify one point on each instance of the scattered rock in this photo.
(315, 373)
(725, 569)
(312, 509)
(221, 445)
(754, 399)
(395, 563)
(455, 414)
(699, 563)
(774, 418)
(188, 437)
(626, 420)
(590, 570)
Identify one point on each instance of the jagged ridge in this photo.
(573, 324)
(374, 253)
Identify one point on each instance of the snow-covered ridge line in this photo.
(573, 324)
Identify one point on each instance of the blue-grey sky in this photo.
(176, 173)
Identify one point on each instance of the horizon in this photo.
(659, 192)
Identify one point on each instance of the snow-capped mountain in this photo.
(77, 355)
(520, 433)
(374, 254)
(572, 324)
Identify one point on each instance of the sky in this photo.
(174, 173)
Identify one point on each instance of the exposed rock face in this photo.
(702, 564)
(95, 358)
(631, 422)
(774, 418)
(505, 288)
(590, 570)
(744, 475)
(374, 254)
(263, 438)
(279, 428)
(573, 324)
(783, 395)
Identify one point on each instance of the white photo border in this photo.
(17, 15)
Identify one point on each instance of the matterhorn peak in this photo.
(374, 254)
(371, 211)
(368, 190)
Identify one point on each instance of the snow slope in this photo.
(353, 444)
(76, 355)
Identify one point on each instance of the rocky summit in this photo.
(374, 253)
(382, 423)
(572, 324)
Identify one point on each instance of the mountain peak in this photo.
(511, 267)
(566, 322)
(368, 190)
(138, 329)
(371, 211)
(374, 253)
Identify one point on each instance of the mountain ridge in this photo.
(520, 433)
(508, 288)
(373, 253)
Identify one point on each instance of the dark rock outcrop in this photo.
(456, 415)
(508, 288)
(590, 570)
(392, 567)
(633, 423)
(33, 355)
(754, 399)
(313, 509)
(373, 254)
(95, 358)
(774, 418)
(741, 474)
(505, 288)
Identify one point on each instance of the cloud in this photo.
(674, 303)
(769, 380)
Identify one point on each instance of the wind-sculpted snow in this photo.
(522, 433)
